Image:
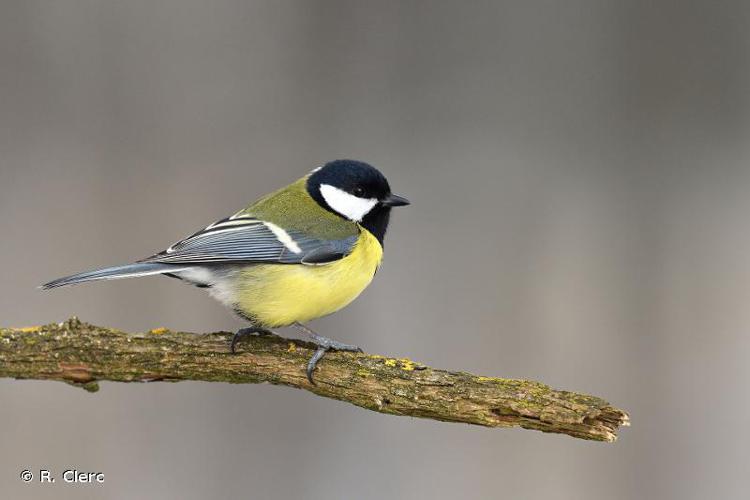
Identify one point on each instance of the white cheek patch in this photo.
(348, 205)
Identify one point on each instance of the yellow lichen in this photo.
(407, 364)
(159, 331)
(292, 347)
(404, 363)
(29, 329)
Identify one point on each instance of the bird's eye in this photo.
(359, 191)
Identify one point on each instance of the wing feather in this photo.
(251, 240)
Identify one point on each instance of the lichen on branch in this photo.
(82, 355)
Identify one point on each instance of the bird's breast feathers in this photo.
(275, 295)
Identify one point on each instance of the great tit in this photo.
(300, 253)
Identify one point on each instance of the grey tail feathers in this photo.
(115, 273)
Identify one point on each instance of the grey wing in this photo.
(246, 239)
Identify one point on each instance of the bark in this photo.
(82, 354)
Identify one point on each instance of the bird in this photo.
(300, 253)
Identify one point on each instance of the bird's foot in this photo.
(324, 345)
(244, 332)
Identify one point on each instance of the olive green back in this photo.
(292, 208)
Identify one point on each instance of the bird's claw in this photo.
(324, 345)
(313, 362)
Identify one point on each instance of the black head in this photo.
(355, 191)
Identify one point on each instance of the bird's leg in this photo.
(251, 330)
(324, 345)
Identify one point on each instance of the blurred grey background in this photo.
(579, 177)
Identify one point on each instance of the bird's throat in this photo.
(376, 222)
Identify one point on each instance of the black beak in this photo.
(394, 200)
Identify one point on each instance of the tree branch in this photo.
(83, 354)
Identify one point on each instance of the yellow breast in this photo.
(278, 295)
